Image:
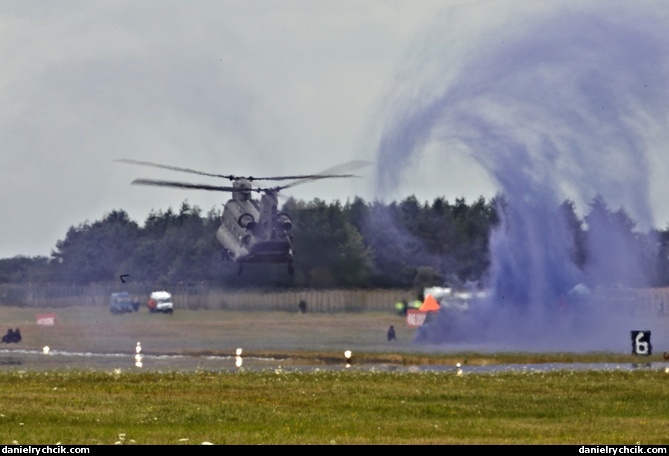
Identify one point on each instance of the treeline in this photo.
(359, 244)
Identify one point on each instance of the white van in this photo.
(161, 301)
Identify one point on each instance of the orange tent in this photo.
(429, 304)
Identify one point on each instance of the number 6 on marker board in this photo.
(641, 343)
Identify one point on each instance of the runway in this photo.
(35, 360)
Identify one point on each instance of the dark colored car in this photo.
(122, 302)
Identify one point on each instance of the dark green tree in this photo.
(96, 252)
(660, 268)
(329, 250)
(393, 249)
(577, 232)
(178, 247)
(23, 269)
(614, 250)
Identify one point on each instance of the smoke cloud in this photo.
(561, 102)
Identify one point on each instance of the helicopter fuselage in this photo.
(251, 231)
(254, 231)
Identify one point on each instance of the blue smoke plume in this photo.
(556, 103)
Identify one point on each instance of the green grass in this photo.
(313, 337)
(78, 404)
(334, 407)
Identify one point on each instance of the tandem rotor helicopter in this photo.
(252, 230)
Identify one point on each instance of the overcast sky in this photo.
(250, 87)
(257, 87)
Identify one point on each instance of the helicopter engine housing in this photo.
(238, 222)
(246, 221)
(284, 221)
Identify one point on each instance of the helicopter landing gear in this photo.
(291, 270)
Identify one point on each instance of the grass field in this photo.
(309, 337)
(328, 407)
(76, 404)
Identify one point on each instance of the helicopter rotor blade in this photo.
(344, 167)
(173, 168)
(304, 176)
(225, 176)
(333, 172)
(173, 184)
(329, 173)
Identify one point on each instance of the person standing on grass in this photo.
(391, 333)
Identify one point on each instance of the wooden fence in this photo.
(650, 301)
(201, 296)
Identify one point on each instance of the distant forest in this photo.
(359, 244)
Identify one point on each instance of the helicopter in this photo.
(251, 230)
